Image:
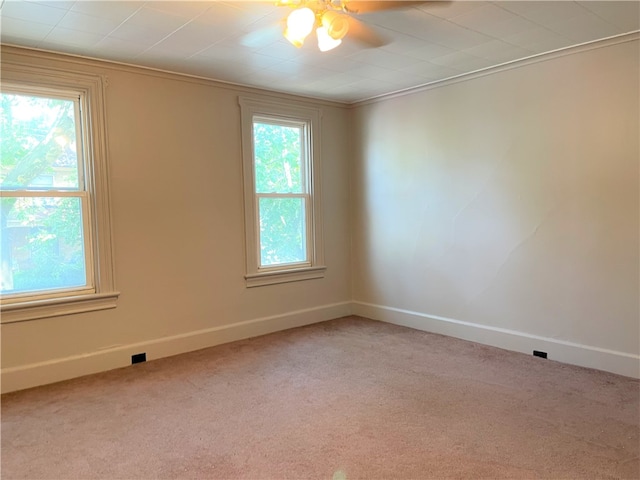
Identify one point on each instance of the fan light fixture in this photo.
(325, 42)
(300, 22)
(332, 27)
(336, 24)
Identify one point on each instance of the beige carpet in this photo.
(350, 398)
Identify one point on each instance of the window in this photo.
(55, 244)
(282, 202)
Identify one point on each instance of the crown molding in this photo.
(523, 62)
(156, 72)
(70, 58)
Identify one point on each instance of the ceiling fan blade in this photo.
(262, 37)
(362, 6)
(360, 32)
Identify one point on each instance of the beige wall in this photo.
(177, 207)
(502, 209)
(509, 202)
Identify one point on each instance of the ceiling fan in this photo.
(334, 19)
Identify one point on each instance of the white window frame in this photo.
(100, 292)
(308, 118)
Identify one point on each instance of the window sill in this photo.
(284, 276)
(55, 307)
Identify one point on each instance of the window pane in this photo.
(42, 244)
(39, 144)
(282, 231)
(277, 155)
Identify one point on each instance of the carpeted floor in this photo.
(345, 399)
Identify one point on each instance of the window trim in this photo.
(257, 275)
(104, 294)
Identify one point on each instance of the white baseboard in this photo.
(35, 374)
(567, 352)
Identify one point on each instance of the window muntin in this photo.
(282, 203)
(283, 225)
(61, 196)
(280, 159)
(40, 137)
(45, 245)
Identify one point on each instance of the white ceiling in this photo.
(241, 42)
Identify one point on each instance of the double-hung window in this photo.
(55, 247)
(281, 183)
